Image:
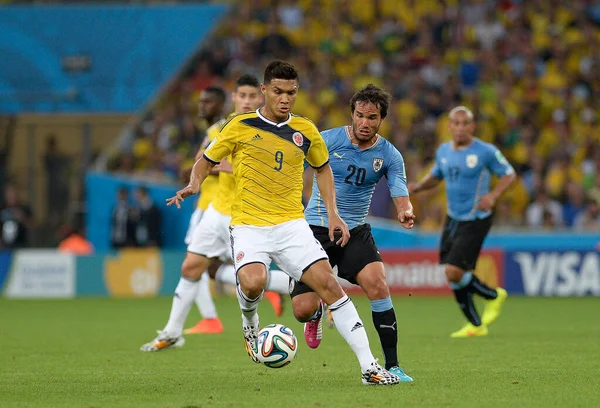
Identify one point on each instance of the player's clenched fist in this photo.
(407, 219)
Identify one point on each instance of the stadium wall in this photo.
(132, 273)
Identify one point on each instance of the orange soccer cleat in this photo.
(276, 300)
(206, 326)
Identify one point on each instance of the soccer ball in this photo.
(276, 346)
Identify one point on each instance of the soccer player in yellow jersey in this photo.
(268, 148)
(209, 242)
(210, 108)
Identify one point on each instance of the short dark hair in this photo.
(374, 94)
(278, 69)
(247, 80)
(217, 91)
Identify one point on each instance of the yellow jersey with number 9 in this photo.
(268, 163)
(210, 186)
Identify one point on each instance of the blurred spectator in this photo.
(56, 166)
(527, 69)
(74, 242)
(15, 220)
(589, 218)
(575, 203)
(147, 220)
(121, 232)
(544, 211)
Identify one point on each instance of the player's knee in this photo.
(305, 306)
(252, 280)
(193, 266)
(453, 273)
(377, 288)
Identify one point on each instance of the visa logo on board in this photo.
(570, 273)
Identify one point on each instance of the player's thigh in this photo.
(447, 241)
(467, 245)
(359, 252)
(194, 221)
(209, 239)
(250, 250)
(295, 247)
(320, 277)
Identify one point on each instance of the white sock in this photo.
(279, 282)
(204, 299)
(226, 274)
(348, 323)
(249, 308)
(185, 292)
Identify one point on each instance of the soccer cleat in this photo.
(377, 375)
(206, 326)
(163, 341)
(493, 307)
(469, 330)
(250, 337)
(313, 330)
(399, 372)
(276, 300)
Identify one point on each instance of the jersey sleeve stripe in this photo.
(209, 159)
(321, 166)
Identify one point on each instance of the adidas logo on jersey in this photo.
(256, 137)
(357, 326)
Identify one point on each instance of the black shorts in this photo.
(462, 241)
(350, 260)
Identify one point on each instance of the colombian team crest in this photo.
(471, 160)
(377, 164)
(298, 139)
(239, 257)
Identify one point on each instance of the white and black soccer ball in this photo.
(276, 345)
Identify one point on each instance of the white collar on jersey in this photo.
(348, 127)
(270, 122)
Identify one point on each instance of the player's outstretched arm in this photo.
(200, 171)
(427, 182)
(404, 208)
(327, 188)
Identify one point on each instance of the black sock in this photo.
(483, 290)
(387, 328)
(464, 298)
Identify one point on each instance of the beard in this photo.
(362, 138)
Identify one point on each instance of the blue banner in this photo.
(95, 58)
(553, 273)
(101, 195)
(5, 261)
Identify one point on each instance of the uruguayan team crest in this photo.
(377, 164)
(471, 160)
(298, 139)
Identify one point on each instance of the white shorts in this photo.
(291, 245)
(194, 221)
(211, 236)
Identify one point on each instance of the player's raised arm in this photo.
(200, 171)
(217, 150)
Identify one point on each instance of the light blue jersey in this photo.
(356, 172)
(467, 173)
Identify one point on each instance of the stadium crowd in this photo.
(528, 70)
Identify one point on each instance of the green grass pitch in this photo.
(85, 353)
